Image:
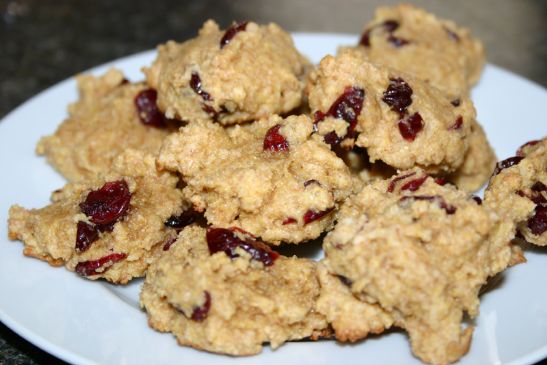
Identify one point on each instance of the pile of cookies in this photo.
(236, 144)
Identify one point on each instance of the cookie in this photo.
(412, 40)
(245, 72)
(518, 190)
(221, 290)
(351, 319)
(110, 227)
(110, 116)
(399, 119)
(421, 251)
(274, 178)
(478, 163)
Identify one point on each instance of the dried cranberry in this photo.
(105, 227)
(538, 222)
(395, 180)
(275, 142)
(167, 245)
(520, 151)
(88, 268)
(389, 26)
(231, 32)
(182, 220)
(289, 220)
(107, 204)
(86, 234)
(332, 138)
(195, 84)
(210, 110)
(457, 124)
(312, 215)
(414, 185)
(347, 107)
(410, 126)
(477, 199)
(398, 95)
(200, 313)
(508, 162)
(440, 181)
(449, 208)
(456, 102)
(537, 196)
(148, 111)
(225, 240)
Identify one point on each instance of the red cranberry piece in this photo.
(148, 111)
(105, 227)
(457, 124)
(332, 138)
(225, 240)
(231, 32)
(195, 84)
(520, 151)
(275, 142)
(365, 38)
(456, 102)
(182, 220)
(537, 196)
(440, 181)
(395, 180)
(398, 95)
(410, 126)
(347, 107)
(88, 268)
(86, 234)
(200, 313)
(107, 204)
(167, 245)
(508, 162)
(414, 185)
(390, 25)
(289, 220)
(477, 199)
(312, 215)
(538, 222)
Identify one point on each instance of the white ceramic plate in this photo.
(87, 322)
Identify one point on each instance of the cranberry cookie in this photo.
(221, 290)
(412, 40)
(421, 251)
(478, 163)
(110, 116)
(243, 73)
(518, 190)
(274, 178)
(109, 227)
(399, 119)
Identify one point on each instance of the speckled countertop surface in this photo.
(45, 41)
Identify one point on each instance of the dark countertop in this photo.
(46, 41)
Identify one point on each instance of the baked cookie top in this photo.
(410, 39)
(223, 291)
(421, 251)
(518, 190)
(110, 116)
(245, 72)
(109, 227)
(273, 177)
(399, 119)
